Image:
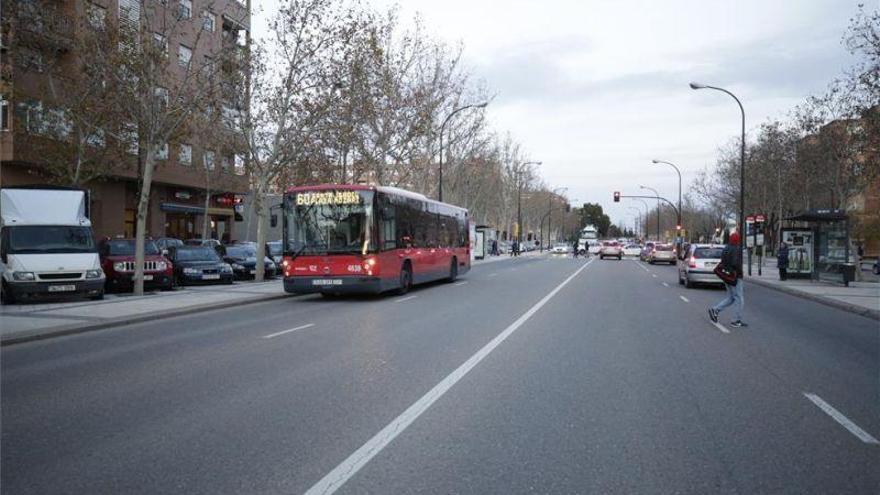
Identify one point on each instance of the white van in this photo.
(46, 245)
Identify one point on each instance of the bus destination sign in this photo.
(328, 198)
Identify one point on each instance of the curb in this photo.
(852, 308)
(128, 320)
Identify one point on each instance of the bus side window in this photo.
(387, 224)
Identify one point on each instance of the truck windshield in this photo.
(323, 222)
(39, 239)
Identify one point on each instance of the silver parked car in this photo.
(698, 263)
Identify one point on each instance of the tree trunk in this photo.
(205, 222)
(141, 227)
(260, 210)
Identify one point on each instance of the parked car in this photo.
(611, 249)
(164, 243)
(646, 251)
(560, 248)
(698, 265)
(211, 243)
(632, 250)
(662, 253)
(243, 259)
(877, 267)
(274, 251)
(117, 261)
(198, 265)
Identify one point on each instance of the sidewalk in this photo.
(860, 297)
(24, 322)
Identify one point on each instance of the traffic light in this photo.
(617, 196)
(678, 227)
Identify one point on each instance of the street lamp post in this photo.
(442, 128)
(638, 218)
(679, 185)
(550, 209)
(645, 203)
(658, 208)
(742, 164)
(519, 199)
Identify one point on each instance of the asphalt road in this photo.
(544, 375)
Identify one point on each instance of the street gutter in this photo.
(60, 331)
(852, 308)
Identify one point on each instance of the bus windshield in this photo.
(325, 222)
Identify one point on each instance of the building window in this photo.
(239, 165)
(4, 114)
(231, 118)
(184, 55)
(185, 9)
(96, 15)
(184, 157)
(161, 96)
(96, 138)
(129, 221)
(160, 43)
(130, 138)
(208, 158)
(129, 14)
(162, 152)
(209, 20)
(30, 115)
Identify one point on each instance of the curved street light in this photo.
(658, 207)
(638, 217)
(442, 128)
(655, 161)
(742, 163)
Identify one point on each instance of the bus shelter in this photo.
(819, 245)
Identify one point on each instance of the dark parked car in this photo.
(212, 243)
(274, 251)
(168, 242)
(117, 261)
(243, 259)
(199, 265)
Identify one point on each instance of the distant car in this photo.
(662, 253)
(698, 265)
(646, 251)
(243, 259)
(117, 261)
(594, 247)
(611, 249)
(560, 248)
(168, 242)
(632, 250)
(199, 265)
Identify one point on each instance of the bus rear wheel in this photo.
(405, 279)
(453, 270)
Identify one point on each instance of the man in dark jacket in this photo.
(782, 260)
(731, 261)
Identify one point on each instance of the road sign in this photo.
(759, 218)
(750, 219)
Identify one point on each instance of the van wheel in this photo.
(405, 279)
(453, 270)
(97, 297)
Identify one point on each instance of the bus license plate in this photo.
(62, 288)
(327, 281)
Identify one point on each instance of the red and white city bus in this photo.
(369, 239)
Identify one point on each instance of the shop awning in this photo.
(196, 210)
(822, 215)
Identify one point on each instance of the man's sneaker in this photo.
(738, 324)
(713, 315)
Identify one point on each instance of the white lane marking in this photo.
(665, 284)
(719, 326)
(643, 267)
(460, 284)
(334, 480)
(492, 274)
(407, 298)
(288, 331)
(836, 415)
(684, 299)
(654, 275)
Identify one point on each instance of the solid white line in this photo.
(721, 327)
(665, 284)
(407, 298)
(853, 428)
(460, 284)
(684, 299)
(350, 466)
(288, 331)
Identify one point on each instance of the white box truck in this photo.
(46, 245)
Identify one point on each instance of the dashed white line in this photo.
(405, 299)
(654, 275)
(719, 326)
(665, 284)
(492, 274)
(836, 415)
(460, 284)
(288, 331)
(643, 267)
(684, 299)
(350, 466)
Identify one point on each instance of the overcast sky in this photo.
(596, 89)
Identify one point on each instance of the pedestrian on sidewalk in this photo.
(731, 264)
(575, 249)
(782, 261)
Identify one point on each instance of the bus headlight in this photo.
(370, 266)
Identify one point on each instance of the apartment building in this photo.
(194, 177)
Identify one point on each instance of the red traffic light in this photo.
(617, 196)
(678, 227)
